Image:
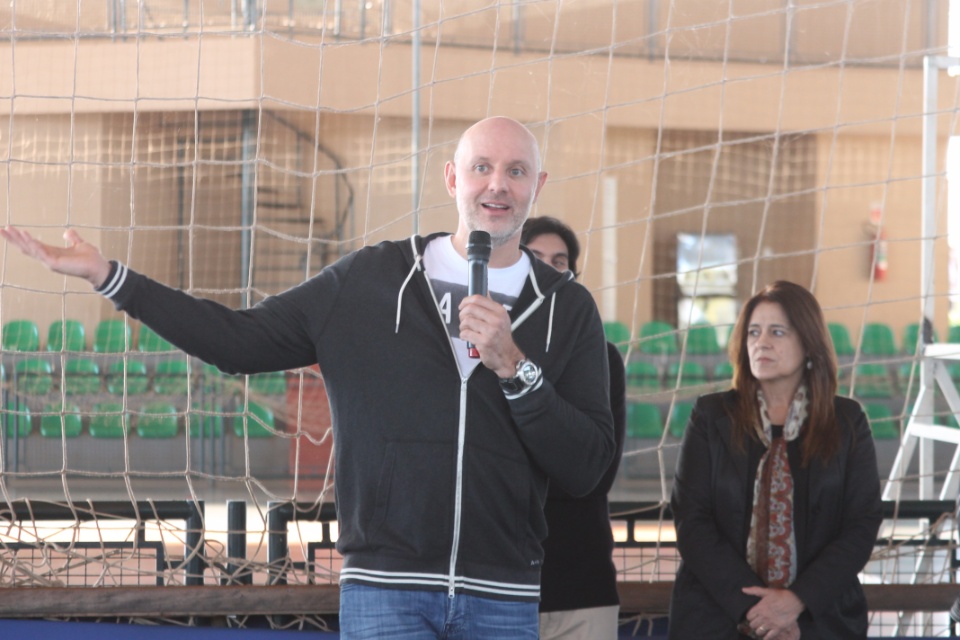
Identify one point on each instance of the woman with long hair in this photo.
(776, 497)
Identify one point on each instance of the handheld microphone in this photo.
(478, 257)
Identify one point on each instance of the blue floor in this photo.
(50, 630)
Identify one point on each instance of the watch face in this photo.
(528, 373)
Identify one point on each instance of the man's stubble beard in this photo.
(498, 239)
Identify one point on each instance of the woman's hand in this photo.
(792, 632)
(775, 616)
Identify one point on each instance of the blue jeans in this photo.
(372, 613)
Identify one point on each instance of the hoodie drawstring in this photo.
(553, 303)
(539, 301)
(416, 265)
(418, 259)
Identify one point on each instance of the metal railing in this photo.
(654, 30)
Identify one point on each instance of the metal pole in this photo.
(248, 199)
(337, 18)
(237, 572)
(517, 30)
(415, 119)
(789, 33)
(928, 196)
(652, 22)
(193, 549)
(249, 15)
(928, 205)
(363, 20)
(930, 26)
(277, 551)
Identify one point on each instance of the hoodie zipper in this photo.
(462, 421)
(458, 500)
(461, 433)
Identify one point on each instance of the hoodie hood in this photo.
(543, 282)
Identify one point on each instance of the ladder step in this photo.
(942, 351)
(933, 432)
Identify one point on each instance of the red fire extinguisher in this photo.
(878, 245)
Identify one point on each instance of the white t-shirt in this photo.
(447, 271)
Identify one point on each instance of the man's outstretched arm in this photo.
(79, 258)
(275, 334)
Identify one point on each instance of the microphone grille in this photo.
(478, 245)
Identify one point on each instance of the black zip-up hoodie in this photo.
(440, 479)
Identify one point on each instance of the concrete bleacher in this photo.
(66, 377)
(123, 404)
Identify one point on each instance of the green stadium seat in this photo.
(883, 424)
(947, 419)
(206, 419)
(953, 335)
(843, 380)
(702, 340)
(256, 422)
(954, 370)
(911, 335)
(873, 381)
(643, 375)
(211, 379)
(690, 373)
(905, 384)
(108, 420)
(136, 381)
(658, 338)
(66, 335)
(112, 336)
(842, 345)
(80, 376)
(61, 420)
(21, 335)
(726, 332)
(171, 377)
(34, 376)
(679, 417)
(157, 420)
(206, 412)
(269, 384)
(644, 420)
(906, 371)
(617, 333)
(723, 372)
(878, 340)
(150, 342)
(18, 419)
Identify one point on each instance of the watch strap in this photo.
(528, 377)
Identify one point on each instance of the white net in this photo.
(233, 148)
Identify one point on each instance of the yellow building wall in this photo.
(596, 117)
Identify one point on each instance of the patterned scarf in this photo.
(772, 545)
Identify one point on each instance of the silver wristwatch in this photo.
(527, 376)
